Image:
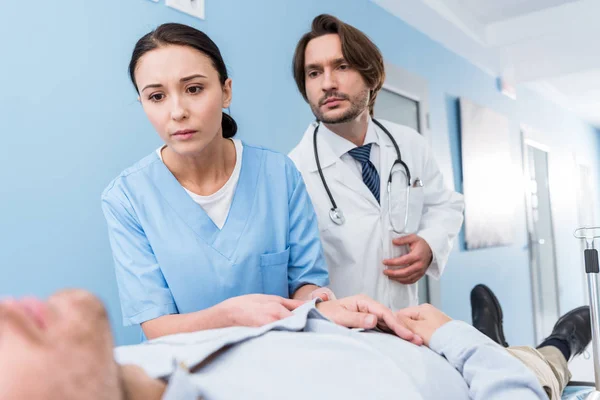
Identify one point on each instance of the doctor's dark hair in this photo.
(358, 51)
(183, 35)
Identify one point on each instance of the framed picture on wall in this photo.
(489, 182)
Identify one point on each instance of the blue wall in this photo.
(71, 123)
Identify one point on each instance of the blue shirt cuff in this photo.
(149, 314)
(453, 338)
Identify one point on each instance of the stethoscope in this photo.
(336, 214)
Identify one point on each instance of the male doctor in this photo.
(346, 158)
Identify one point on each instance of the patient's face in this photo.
(58, 349)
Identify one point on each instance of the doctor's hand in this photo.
(410, 267)
(423, 320)
(256, 309)
(363, 312)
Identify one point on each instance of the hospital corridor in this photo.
(347, 199)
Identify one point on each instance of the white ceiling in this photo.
(489, 11)
(548, 45)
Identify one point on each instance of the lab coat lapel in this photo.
(177, 198)
(348, 178)
(387, 157)
(336, 170)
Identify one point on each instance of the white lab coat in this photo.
(354, 251)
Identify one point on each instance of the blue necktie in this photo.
(369, 172)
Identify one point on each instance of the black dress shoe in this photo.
(574, 328)
(487, 314)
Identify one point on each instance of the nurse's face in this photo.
(182, 96)
(59, 349)
(336, 92)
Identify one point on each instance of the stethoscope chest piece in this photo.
(337, 216)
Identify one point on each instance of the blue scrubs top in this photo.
(171, 258)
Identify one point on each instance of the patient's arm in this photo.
(248, 310)
(488, 369)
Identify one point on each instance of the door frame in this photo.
(526, 142)
(413, 87)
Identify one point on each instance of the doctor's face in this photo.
(336, 92)
(59, 349)
(182, 96)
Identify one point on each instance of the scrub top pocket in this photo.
(274, 268)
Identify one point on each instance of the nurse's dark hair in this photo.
(358, 51)
(183, 35)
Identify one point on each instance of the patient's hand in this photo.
(137, 385)
(423, 320)
(322, 293)
(257, 309)
(363, 312)
(310, 292)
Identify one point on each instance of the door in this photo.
(541, 240)
(400, 109)
(397, 108)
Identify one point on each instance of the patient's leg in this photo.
(549, 366)
(486, 314)
(570, 336)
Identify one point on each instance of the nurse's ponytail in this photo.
(229, 126)
(183, 35)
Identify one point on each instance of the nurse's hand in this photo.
(423, 320)
(410, 267)
(257, 309)
(363, 312)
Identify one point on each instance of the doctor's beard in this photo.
(358, 104)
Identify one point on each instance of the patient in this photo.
(62, 349)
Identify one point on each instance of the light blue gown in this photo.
(171, 258)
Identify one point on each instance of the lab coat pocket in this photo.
(274, 269)
(415, 209)
(391, 250)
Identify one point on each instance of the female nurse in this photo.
(206, 231)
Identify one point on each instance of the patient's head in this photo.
(58, 349)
